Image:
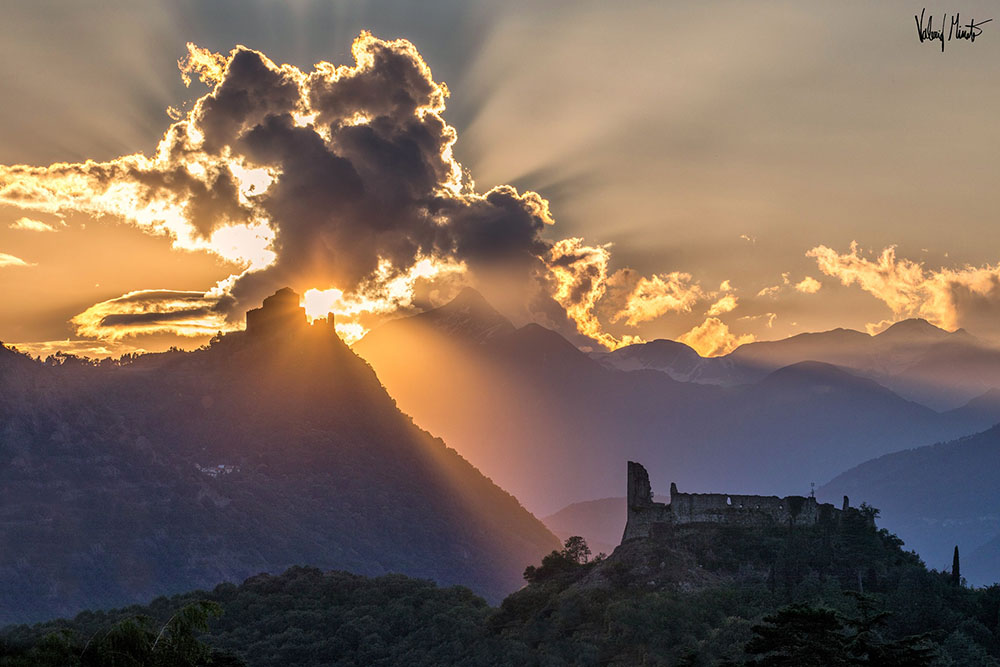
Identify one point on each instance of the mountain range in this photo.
(552, 424)
(121, 481)
(917, 360)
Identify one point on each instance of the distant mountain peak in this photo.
(470, 301)
(667, 344)
(470, 296)
(914, 328)
(468, 317)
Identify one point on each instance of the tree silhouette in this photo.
(956, 571)
(576, 550)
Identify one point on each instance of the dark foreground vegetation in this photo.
(705, 595)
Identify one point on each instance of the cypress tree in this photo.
(956, 573)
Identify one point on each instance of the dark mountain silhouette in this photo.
(111, 489)
(984, 408)
(935, 497)
(551, 423)
(914, 358)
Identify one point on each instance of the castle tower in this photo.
(280, 312)
(639, 492)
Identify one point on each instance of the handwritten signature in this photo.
(949, 30)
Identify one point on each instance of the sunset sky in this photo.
(714, 172)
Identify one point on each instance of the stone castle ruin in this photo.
(647, 518)
(281, 313)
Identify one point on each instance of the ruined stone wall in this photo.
(646, 517)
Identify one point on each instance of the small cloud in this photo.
(725, 286)
(774, 289)
(752, 240)
(769, 291)
(723, 305)
(30, 225)
(874, 328)
(769, 317)
(207, 66)
(808, 285)
(712, 338)
(9, 260)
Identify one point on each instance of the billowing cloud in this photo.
(724, 305)
(340, 182)
(808, 285)
(948, 298)
(31, 225)
(10, 260)
(580, 276)
(336, 178)
(713, 338)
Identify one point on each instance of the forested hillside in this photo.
(706, 595)
(121, 481)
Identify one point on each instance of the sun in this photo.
(320, 303)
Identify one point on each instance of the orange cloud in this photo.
(712, 338)
(724, 305)
(30, 225)
(207, 66)
(151, 312)
(808, 285)
(580, 276)
(949, 298)
(10, 260)
(769, 291)
(657, 295)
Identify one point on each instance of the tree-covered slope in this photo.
(937, 496)
(107, 495)
(704, 595)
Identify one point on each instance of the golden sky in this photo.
(713, 172)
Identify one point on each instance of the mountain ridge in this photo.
(107, 499)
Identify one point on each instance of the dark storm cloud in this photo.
(342, 177)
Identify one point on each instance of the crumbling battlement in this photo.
(646, 517)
